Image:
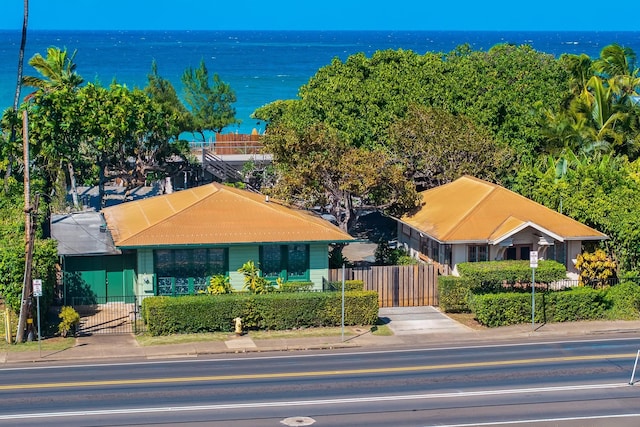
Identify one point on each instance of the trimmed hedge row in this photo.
(491, 277)
(296, 287)
(512, 271)
(349, 285)
(276, 311)
(574, 304)
(453, 294)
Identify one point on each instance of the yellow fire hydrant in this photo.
(238, 322)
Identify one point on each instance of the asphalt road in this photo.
(570, 383)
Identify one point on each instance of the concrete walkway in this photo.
(419, 320)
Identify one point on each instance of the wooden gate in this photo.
(397, 285)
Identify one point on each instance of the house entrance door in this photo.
(518, 252)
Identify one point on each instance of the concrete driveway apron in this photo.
(419, 320)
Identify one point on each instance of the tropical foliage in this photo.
(88, 134)
(364, 133)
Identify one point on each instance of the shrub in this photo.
(219, 284)
(69, 320)
(574, 304)
(349, 285)
(501, 309)
(253, 282)
(385, 255)
(497, 272)
(295, 286)
(560, 306)
(596, 268)
(624, 301)
(210, 313)
(360, 308)
(453, 294)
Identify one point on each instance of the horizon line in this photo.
(333, 30)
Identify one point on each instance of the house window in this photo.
(187, 271)
(271, 261)
(430, 248)
(291, 262)
(445, 254)
(477, 253)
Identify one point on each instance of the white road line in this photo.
(541, 420)
(254, 405)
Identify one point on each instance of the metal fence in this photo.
(113, 315)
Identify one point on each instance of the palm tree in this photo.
(16, 99)
(57, 70)
(580, 71)
(617, 64)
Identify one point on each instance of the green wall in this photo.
(96, 279)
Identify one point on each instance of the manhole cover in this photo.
(298, 421)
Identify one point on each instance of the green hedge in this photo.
(496, 272)
(453, 294)
(276, 311)
(624, 301)
(349, 285)
(560, 306)
(296, 287)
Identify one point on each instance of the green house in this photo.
(172, 244)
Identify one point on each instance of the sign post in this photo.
(342, 317)
(533, 263)
(37, 292)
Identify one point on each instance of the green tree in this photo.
(316, 167)
(58, 71)
(162, 92)
(617, 64)
(437, 147)
(363, 97)
(600, 115)
(210, 102)
(57, 132)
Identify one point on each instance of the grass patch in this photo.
(381, 331)
(148, 340)
(49, 344)
(302, 333)
(467, 319)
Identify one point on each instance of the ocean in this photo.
(260, 66)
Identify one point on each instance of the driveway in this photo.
(419, 320)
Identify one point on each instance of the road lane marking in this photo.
(541, 420)
(284, 404)
(302, 374)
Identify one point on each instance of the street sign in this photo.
(533, 259)
(37, 287)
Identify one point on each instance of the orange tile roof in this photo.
(472, 210)
(214, 214)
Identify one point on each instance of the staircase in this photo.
(220, 169)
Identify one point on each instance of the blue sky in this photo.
(319, 15)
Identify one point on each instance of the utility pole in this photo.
(29, 234)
